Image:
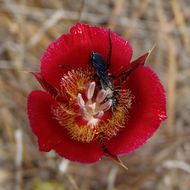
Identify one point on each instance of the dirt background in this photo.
(26, 29)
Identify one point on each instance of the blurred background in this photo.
(26, 29)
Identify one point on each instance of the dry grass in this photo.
(27, 27)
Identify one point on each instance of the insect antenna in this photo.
(110, 50)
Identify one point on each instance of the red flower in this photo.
(87, 111)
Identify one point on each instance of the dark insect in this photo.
(102, 72)
(101, 68)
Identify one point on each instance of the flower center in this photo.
(93, 109)
(86, 111)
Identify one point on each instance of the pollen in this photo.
(87, 113)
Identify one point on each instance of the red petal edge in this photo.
(73, 51)
(81, 152)
(53, 136)
(148, 110)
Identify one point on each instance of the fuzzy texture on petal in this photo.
(73, 51)
(147, 112)
(53, 136)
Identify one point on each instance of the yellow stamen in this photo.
(83, 113)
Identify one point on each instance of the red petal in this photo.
(81, 152)
(53, 136)
(48, 131)
(73, 51)
(148, 110)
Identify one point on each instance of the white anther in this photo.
(99, 114)
(86, 115)
(93, 110)
(90, 90)
(80, 100)
(106, 106)
(92, 106)
(101, 96)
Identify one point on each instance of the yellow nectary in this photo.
(86, 114)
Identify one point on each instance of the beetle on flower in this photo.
(84, 115)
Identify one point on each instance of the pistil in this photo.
(92, 111)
